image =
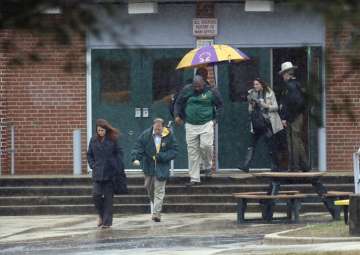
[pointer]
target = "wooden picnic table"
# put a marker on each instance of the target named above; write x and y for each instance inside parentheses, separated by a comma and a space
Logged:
(306, 177)
(276, 179)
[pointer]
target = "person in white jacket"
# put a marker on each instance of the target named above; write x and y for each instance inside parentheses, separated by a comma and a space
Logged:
(262, 98)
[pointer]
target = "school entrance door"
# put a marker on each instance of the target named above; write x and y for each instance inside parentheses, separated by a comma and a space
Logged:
(133, 86)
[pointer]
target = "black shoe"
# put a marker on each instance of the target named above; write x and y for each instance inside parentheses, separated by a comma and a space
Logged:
(305, 168)
(190, 184)
(244, 169)
(156, 218)
(248, 158)
(206, 172)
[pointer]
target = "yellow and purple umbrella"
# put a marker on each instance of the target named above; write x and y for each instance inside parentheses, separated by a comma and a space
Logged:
(211, 54)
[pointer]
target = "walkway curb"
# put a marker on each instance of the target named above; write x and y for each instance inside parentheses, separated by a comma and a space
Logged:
(280, 238)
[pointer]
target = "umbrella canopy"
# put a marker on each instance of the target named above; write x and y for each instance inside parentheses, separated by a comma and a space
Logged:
(211, 54)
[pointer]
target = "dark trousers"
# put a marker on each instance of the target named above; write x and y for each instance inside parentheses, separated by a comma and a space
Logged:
(103, 200)
(268, 140)
(271, 145)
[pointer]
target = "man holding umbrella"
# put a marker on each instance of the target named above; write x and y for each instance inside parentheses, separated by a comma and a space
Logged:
(198, 105)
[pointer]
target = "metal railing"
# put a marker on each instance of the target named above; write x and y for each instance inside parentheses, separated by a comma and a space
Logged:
(11, 151)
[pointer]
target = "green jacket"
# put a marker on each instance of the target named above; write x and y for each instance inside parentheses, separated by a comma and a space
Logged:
(153, 163)
(198, 108)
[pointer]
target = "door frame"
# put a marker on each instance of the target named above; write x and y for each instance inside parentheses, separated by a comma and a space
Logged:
(322, 130)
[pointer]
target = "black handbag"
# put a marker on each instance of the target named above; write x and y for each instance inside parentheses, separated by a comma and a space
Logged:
(120, 183)
(258, 121)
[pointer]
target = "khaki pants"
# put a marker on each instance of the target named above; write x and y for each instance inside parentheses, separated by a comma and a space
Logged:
(156, 192)
(296, 146)
(199, 139)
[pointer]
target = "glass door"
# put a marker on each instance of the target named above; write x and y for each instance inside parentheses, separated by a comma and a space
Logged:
(131, 87)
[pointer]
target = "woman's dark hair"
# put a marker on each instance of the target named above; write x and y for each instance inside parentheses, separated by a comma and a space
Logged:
(111, 132)
(265, 86)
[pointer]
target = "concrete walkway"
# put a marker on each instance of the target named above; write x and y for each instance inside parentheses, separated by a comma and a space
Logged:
(137, 234)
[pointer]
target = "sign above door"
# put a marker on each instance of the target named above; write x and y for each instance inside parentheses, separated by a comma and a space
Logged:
(205, 27)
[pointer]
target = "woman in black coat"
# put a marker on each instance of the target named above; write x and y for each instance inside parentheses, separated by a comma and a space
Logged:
(104, 158)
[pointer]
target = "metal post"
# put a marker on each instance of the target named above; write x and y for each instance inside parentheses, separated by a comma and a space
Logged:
(216, 128)
(172, 164)
(356, 172)
(77, 152)
(12, 150)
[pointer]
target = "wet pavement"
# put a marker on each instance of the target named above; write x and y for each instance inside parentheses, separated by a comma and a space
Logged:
(137, 234)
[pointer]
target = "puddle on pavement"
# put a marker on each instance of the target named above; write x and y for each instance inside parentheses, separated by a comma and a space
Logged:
(162, 243)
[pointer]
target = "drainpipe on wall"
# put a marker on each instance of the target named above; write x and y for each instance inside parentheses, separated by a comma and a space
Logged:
(77, 152)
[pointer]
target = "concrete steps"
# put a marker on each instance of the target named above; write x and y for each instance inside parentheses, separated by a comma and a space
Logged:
(170, 189)
(35, 195)
(144, 208)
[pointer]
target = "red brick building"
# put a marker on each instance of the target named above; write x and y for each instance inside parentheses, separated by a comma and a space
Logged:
(45, 102)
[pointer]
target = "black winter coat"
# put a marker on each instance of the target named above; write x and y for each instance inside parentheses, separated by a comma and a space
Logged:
(292, 101)
(104, 158)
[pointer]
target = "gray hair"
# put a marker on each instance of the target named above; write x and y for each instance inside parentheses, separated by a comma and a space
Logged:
(159, 120)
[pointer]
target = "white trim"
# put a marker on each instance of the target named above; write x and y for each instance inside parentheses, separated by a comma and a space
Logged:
(88, 96)
(271, 68)
(140, 170)
(191, 46)
(273, 45)
(322, 131)
(142, 46)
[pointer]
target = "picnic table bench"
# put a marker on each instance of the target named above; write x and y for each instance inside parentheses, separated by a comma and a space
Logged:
(276, 179)
(344, 204)
(292, 198)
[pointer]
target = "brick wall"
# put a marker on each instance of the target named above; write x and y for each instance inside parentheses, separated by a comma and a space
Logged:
(342, 92)
(45, 101)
